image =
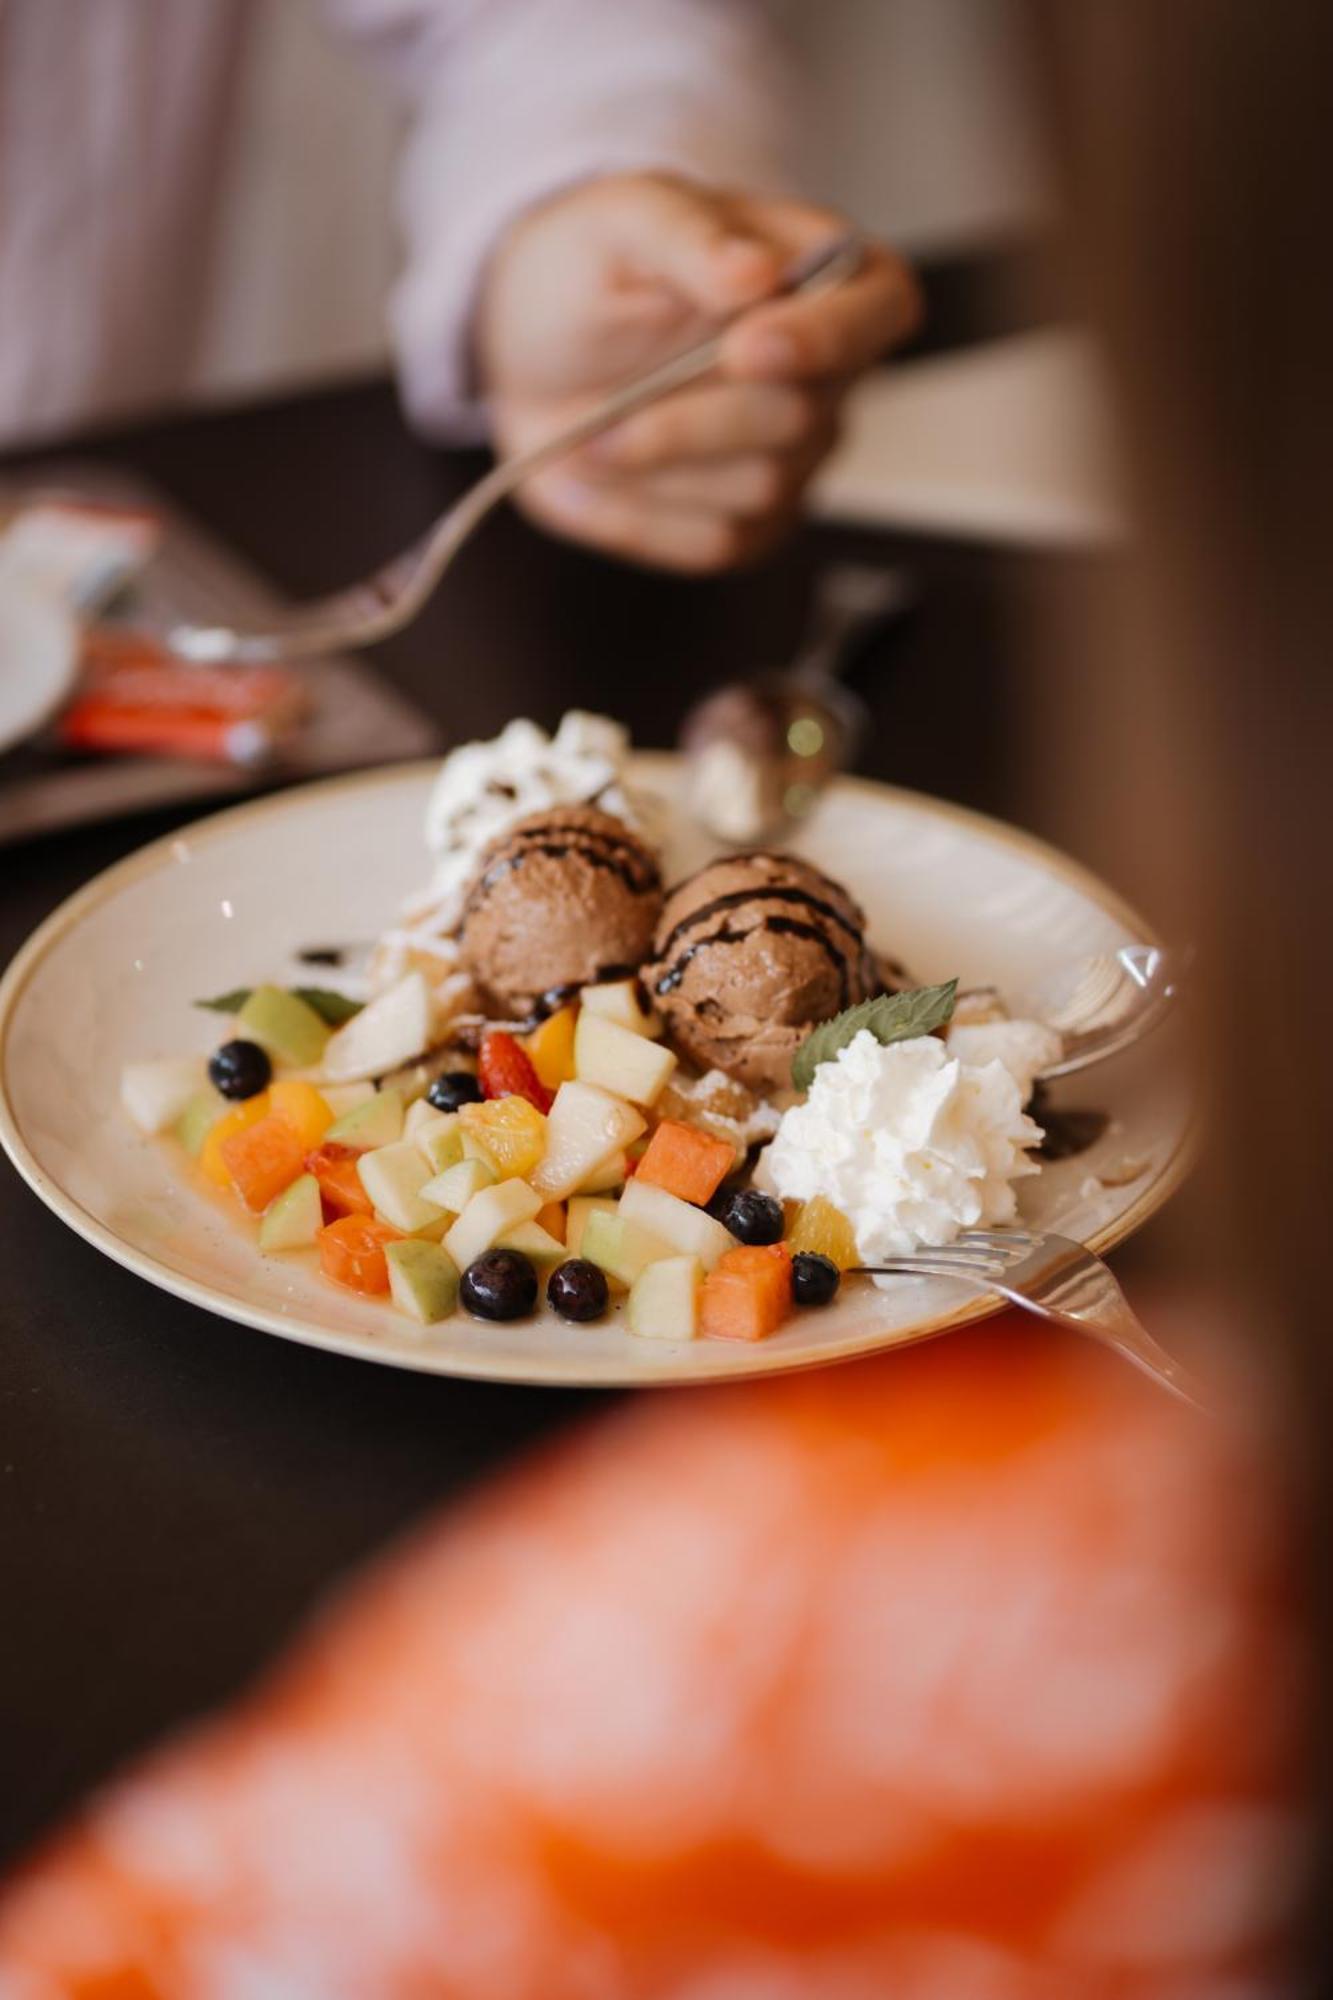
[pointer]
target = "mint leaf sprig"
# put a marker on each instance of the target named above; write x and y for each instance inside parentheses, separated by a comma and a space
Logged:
(893, 1017)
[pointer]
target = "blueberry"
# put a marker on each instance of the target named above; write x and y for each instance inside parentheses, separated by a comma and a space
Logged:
(240, 1069)
(753, 1217)
(455, 1087)
(500, 1284)
(814, 1279)
(577, 1290)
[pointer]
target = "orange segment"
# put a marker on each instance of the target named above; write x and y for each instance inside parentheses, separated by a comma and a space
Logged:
(303, 1108)
(824, 1229)
(351, 1252)
(263, 1160)
(551, 1048)
(686, 1162)
(239, 1119)
(512, 1131)
(747, 1295)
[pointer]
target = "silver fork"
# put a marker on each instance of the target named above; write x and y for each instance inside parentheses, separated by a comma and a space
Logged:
(386, 601)
(1056, 1278)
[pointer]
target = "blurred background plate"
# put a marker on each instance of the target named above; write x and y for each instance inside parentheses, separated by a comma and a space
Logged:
(38, 659)
(112, 974)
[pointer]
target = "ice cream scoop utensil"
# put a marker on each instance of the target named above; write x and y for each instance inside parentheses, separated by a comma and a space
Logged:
(388, 600)
(1058, 1280)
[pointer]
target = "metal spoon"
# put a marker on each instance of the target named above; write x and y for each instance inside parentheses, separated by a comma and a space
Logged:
(759, 752)
(1102, 1004)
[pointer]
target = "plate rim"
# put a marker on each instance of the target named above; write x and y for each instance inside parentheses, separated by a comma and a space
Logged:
(653, 1372)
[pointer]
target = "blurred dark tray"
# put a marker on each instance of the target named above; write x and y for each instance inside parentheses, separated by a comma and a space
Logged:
(356, 719)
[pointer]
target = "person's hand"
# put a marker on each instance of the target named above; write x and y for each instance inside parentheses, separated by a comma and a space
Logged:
(606, 280)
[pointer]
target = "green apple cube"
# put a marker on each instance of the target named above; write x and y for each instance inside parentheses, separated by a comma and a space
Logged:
(198, 1118)
(692, 1230)
(294, 1219)
(287, 1027)
(664, 1300)
(422, 1118)
(388, 1032)
(585, 1127)
(454, 1188)
(393, 1176)
(616, 1059)
(472, 1148)
(613, 1173)
(619, 1001)
(157, 1093)
(536, 1244)
(377, 1121)
(344, 1097)
(443, 1144)
(489, 1216)
(621, 1248)
(423, 1279)
(581, 1206)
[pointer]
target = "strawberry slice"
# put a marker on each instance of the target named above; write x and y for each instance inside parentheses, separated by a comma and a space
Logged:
(506, 1070)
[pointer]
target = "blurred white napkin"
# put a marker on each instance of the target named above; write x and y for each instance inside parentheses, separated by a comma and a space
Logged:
(1012, 441)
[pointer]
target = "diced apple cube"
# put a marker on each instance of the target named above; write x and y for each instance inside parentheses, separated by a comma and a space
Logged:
(585, 1128)
(387, 1033)
(621, 1248)
(536, 1244)
(613, 1173)
(422, 1117)
(198, 1118)
(454, 1188)
(489, 1216)
(692, 1230)
(344, 1097)
(619, 1061)
(376, 1121)
(157, 1093)
(664, 1300)
(619, 1001)
(581, 1206)
(294, 1219)
(288, 1027)
(443, 1144)
(393, 1176)
(423, 1279)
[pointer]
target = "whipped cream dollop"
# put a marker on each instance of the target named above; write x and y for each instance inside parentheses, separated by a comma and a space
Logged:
(1026, 1048)
(911, 1142)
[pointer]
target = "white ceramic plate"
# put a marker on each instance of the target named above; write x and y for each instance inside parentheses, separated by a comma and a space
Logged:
(38, 659)
(112, 973)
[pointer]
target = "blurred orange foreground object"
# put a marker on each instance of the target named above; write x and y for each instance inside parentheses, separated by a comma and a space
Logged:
(134, 696)
(965, 1674)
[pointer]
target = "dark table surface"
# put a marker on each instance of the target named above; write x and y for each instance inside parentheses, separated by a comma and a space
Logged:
(177, 1490)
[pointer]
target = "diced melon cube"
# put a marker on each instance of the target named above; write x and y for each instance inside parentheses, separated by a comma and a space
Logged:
(394, 1176)
(454, 1188)
(198, 1118)
(488, 1216)
(344, 1097)
(294, 1219)
(692, 1230)
(664, 1300)
(620, 1247)
(443, 1144)
(618, 1060)
(376, 1121)
(288, 1027)
(423, 1279)
(619, 1001)
(581, 1206)
(157, 1093)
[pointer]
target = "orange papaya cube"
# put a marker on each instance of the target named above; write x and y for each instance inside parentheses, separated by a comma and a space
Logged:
(340, 1189)
(239, 1119)
(351, 1252)
(686, 1161)
(303, 1107)
(747, 1294)
(263, 1160)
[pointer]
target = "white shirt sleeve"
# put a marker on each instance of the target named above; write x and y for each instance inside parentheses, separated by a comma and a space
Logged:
(512, 99)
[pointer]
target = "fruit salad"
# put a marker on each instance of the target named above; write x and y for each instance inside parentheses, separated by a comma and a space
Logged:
(695, 1111)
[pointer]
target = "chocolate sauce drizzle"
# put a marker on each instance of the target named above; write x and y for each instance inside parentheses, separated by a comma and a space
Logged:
(764, 893)
(600, 849)
(780, 926)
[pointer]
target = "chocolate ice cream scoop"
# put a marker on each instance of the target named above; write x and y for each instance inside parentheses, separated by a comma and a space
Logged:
(567, 897)
(750, 954)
